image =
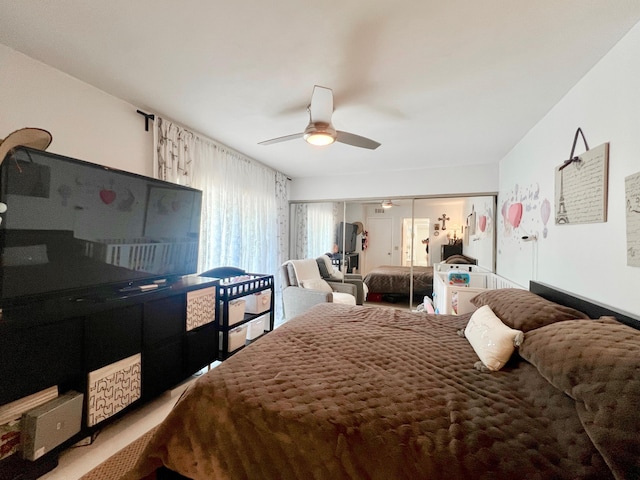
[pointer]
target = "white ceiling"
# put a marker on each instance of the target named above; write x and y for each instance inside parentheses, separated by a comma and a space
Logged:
(438, 83)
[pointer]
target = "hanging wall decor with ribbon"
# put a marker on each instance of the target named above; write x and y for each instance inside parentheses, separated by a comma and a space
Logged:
(582, 185)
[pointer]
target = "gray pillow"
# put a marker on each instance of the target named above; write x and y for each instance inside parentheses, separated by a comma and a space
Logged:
(523, 310)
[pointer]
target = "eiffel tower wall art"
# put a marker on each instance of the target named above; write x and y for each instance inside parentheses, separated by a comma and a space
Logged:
(582, 187)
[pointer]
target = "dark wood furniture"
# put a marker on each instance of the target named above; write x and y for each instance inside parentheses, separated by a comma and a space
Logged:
(252, 284)
(61, 341)
(449, 250)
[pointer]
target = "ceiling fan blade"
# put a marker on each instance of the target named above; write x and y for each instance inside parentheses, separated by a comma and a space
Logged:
(356, 140)
(281, 139)
(321, 107)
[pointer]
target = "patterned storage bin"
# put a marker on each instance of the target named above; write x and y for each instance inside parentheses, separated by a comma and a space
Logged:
(112, 388)
(258, 302)
(236, 311)
(201, 307)
(236, 338)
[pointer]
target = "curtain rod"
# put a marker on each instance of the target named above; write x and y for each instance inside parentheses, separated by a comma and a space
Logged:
(152, 117)
(147, 117)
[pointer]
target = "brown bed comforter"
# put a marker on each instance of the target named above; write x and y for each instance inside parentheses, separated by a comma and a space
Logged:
(347, 392)
(396, 280)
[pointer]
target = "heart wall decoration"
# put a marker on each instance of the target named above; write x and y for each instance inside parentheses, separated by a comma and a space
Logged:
(107, 196)
(482, 223)
(515, 214)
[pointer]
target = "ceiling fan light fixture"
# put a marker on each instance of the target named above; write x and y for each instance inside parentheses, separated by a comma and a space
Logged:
(320, 131)
(320, 134)
(387, 204)
(319, 139)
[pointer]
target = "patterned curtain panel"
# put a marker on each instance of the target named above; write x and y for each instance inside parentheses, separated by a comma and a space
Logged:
(244, 202)
(172, 158)
(282, 206)
(299, 231)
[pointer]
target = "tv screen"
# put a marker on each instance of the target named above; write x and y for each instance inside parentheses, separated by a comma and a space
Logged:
(351, 236)
(72, 226)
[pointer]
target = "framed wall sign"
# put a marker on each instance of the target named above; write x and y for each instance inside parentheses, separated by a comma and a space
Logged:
(582, 187)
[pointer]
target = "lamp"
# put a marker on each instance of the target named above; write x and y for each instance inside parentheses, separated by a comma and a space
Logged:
(320, 134)
(387, 204)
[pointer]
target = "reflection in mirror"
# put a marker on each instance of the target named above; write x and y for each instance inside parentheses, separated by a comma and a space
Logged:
(313, 229)
(415, 246)
(396, 247)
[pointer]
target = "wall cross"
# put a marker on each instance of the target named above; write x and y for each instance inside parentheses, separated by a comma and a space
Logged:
(444, 218)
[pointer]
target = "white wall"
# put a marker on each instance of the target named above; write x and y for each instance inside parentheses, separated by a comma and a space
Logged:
(481, 179)
(85, 122)
(587, 259)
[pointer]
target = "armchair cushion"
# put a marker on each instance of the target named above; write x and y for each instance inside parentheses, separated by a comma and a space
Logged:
(317, 284)
(331, 271)
(344, 298)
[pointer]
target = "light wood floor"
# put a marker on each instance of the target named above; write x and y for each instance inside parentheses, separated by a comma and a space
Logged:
(76, 461)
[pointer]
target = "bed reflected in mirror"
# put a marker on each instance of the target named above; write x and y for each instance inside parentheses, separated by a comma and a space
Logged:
(395, 243)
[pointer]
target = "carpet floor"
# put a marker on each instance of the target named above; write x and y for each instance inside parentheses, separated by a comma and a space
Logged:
(121, 462)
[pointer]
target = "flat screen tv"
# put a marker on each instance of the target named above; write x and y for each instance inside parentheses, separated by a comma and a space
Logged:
(351, 236)
(72, 227)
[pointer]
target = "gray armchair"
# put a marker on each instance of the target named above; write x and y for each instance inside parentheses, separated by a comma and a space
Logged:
(324, 264)
(303, 287)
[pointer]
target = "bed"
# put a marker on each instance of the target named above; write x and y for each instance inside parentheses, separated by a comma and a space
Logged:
(344, 392)
(396, 280)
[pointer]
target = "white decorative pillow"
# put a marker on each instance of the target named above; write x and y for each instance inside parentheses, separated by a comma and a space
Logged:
(317, 284)
(491, 339)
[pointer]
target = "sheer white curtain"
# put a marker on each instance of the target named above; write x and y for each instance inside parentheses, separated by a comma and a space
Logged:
(242, 211)
(321, 227)
(314, 231)
(239, 223)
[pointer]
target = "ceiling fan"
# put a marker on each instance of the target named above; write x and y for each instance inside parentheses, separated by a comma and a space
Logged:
(320, 131)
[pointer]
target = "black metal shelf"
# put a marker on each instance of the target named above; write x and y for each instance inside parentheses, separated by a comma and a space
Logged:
(236, 288)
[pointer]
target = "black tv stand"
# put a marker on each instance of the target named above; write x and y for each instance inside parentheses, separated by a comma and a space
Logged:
(164, 335)
(109, 295)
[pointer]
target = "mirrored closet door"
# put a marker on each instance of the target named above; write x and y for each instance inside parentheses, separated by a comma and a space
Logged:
(394, 243)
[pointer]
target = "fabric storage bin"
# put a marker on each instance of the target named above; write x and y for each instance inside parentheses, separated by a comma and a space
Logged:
(258, 302)
(201, 307)
(236, 311)
(256, 327)
(236, 338)
(113, 388)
